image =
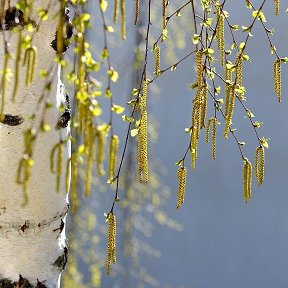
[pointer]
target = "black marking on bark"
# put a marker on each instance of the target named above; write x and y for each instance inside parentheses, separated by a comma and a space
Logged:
(64, 120)
(11, 120)
(60, 229)
(40, 284)
(24, 226)
(2, 210)
(67, 34)
(61, 261)
(14, 18)
(23, 283)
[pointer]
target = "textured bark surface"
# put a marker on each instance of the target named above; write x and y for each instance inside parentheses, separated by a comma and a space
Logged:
(32, 244)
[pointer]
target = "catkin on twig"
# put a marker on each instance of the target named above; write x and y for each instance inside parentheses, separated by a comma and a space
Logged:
(230, 110)
(164, 20)
(136, 12)
(115, 13)
(239, 69)
(123, 19)
(113, 150)
(220, 33)
(181, 174)
(277, 78)
(111, 242)
(213, 137)
(247, 179)
(157, 60)
(101, 137)
(228, 79)
(276, 2)
(143, 150)
(194, 146)
(199, 67)
(259, 164)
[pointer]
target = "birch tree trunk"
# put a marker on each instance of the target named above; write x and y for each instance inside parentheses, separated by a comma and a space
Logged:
(32, 247)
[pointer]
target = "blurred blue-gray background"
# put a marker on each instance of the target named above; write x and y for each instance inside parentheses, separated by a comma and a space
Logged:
(216, 240)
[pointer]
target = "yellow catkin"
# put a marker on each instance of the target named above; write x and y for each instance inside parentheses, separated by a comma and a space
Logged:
(59, 148)
(199, 67)
(17, 62)
(143, 102)
(123, 19)
(208, 130)
(157, 60)
(239, 69)
(115, 13)
(30, 61)
(247, 179)
(101, 137)
(228, 79)
(136, 12)
(181, 174)
(114, 144)
(143, 150)
(194, 146)
(204, 100)
(230, 110)
(277, 78)
(164, 20)
(220, 33)
(259, 164)
(276, 7)
(222, 39)
(111, 242)
(213, 137)
(89, 167)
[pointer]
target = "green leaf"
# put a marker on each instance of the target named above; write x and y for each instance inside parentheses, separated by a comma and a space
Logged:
(134, 132)
(111, 180)
(259, 14)
(113, 75)
(195, 39)
(117, 109)
(103, 5)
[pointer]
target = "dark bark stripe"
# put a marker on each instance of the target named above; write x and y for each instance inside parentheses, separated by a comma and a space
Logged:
(11, 120)
(13, 18)
(64, 120)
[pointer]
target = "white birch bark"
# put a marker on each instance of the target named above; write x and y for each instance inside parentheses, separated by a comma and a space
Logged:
(31, 250)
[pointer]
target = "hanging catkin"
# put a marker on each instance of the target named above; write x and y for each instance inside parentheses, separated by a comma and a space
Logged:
(123, 19)
(101, 137)
(220, 33)
(157, 60)
(164, 20)
(136, 12)
(213, 137)
(259, 164)
(111, 242)
(230, 110)
(228, 79)
(247, 179)
(115, 13)
(276, 2)
(142, 150)
(181, 174)
(239, 69)
(113, 150)
(277, 78)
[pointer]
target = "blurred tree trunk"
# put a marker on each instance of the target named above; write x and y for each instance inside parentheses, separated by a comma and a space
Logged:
(32, 246)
